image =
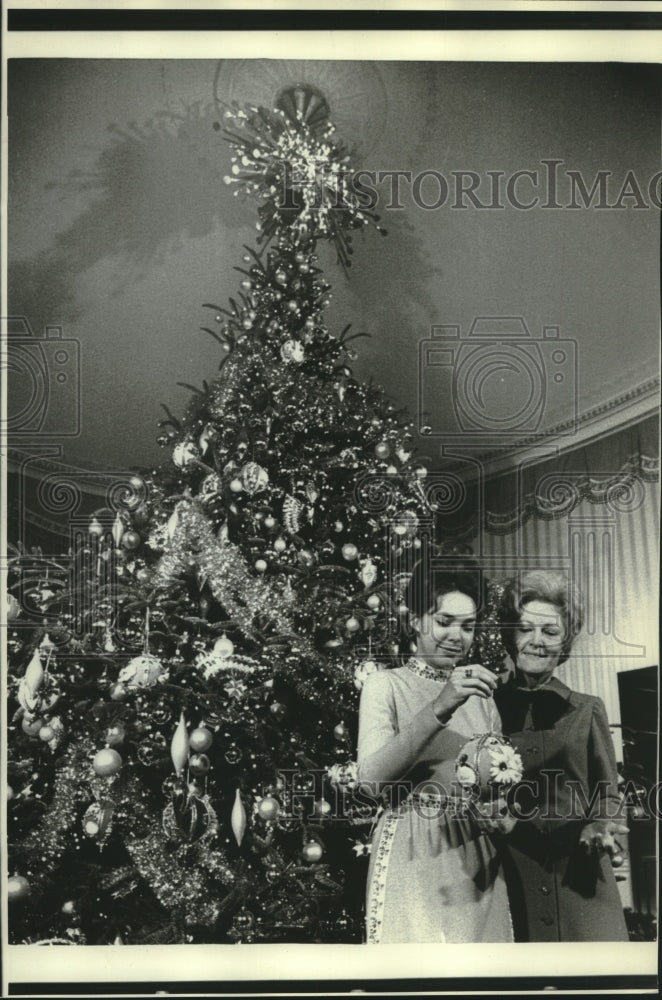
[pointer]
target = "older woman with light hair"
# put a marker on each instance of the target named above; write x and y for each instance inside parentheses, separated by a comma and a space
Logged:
(556, 859)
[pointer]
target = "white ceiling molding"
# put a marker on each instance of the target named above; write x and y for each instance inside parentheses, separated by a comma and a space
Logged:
(615, 414)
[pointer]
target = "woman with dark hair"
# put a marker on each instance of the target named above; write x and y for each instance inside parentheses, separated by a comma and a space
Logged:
(434, 875)
(560, 880)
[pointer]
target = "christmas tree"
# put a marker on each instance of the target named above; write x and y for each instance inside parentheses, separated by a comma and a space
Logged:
(184, 689)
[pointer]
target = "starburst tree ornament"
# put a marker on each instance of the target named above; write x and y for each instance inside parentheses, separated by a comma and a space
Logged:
(290, 160)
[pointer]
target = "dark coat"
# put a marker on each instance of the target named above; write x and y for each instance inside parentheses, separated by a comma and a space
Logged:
(559, 892)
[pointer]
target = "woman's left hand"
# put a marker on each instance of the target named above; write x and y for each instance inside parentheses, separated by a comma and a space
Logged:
(599, 835)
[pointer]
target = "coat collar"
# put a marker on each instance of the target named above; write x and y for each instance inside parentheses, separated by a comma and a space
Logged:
(553, 684)
(533, 708)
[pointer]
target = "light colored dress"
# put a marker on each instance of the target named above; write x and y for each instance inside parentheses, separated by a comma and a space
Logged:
(433, 875)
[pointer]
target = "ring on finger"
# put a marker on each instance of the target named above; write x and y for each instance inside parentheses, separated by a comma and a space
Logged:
(468, 672)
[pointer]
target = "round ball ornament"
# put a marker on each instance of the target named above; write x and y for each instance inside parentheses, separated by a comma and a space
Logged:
(312, 852)
(488, 764)
(131, 540)
(18, 888)
(199, 763)
(280, 545)
(261, 565)
(322, 808)
(200, 740)
(373, 602)
(107, 762)
(352, 624)
(349, 551)
(46, 734)
(31, 726)
(223, 647)
(254, 477)
(268, 808)
(278, 710)
(383, 450)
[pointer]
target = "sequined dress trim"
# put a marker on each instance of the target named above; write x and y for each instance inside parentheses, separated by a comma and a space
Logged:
(425, 670)
(378, 883)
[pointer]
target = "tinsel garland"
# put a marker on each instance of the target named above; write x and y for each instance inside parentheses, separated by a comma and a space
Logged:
(183, 877)
(49, 840)
(222, 566)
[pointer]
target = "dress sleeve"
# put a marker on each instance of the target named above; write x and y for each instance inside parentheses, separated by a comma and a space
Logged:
(602, 763)
(385, 752)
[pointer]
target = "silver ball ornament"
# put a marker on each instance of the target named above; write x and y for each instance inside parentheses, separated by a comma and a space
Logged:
(268, 808)
(200, 740)
(107, 762)
(312, 852)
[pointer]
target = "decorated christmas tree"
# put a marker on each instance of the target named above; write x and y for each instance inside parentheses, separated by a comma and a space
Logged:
(184, 689)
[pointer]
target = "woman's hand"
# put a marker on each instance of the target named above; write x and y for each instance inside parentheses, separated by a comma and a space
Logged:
(599, 835)
(462, 684)
(495, 817)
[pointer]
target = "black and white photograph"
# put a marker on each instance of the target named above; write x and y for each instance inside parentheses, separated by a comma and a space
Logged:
(330, 553)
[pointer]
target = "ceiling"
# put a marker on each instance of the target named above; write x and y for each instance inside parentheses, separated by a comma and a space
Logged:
(120, 227)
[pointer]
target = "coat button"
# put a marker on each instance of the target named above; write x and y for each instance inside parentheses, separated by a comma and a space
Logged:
(544, 890)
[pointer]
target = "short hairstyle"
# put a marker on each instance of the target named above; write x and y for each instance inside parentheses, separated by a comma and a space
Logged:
(541, 585)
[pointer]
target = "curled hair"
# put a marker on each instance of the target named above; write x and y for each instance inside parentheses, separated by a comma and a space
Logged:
(549, 586)
(452, 571)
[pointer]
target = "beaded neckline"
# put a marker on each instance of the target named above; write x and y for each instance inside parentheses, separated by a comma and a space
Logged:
(425, 670)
